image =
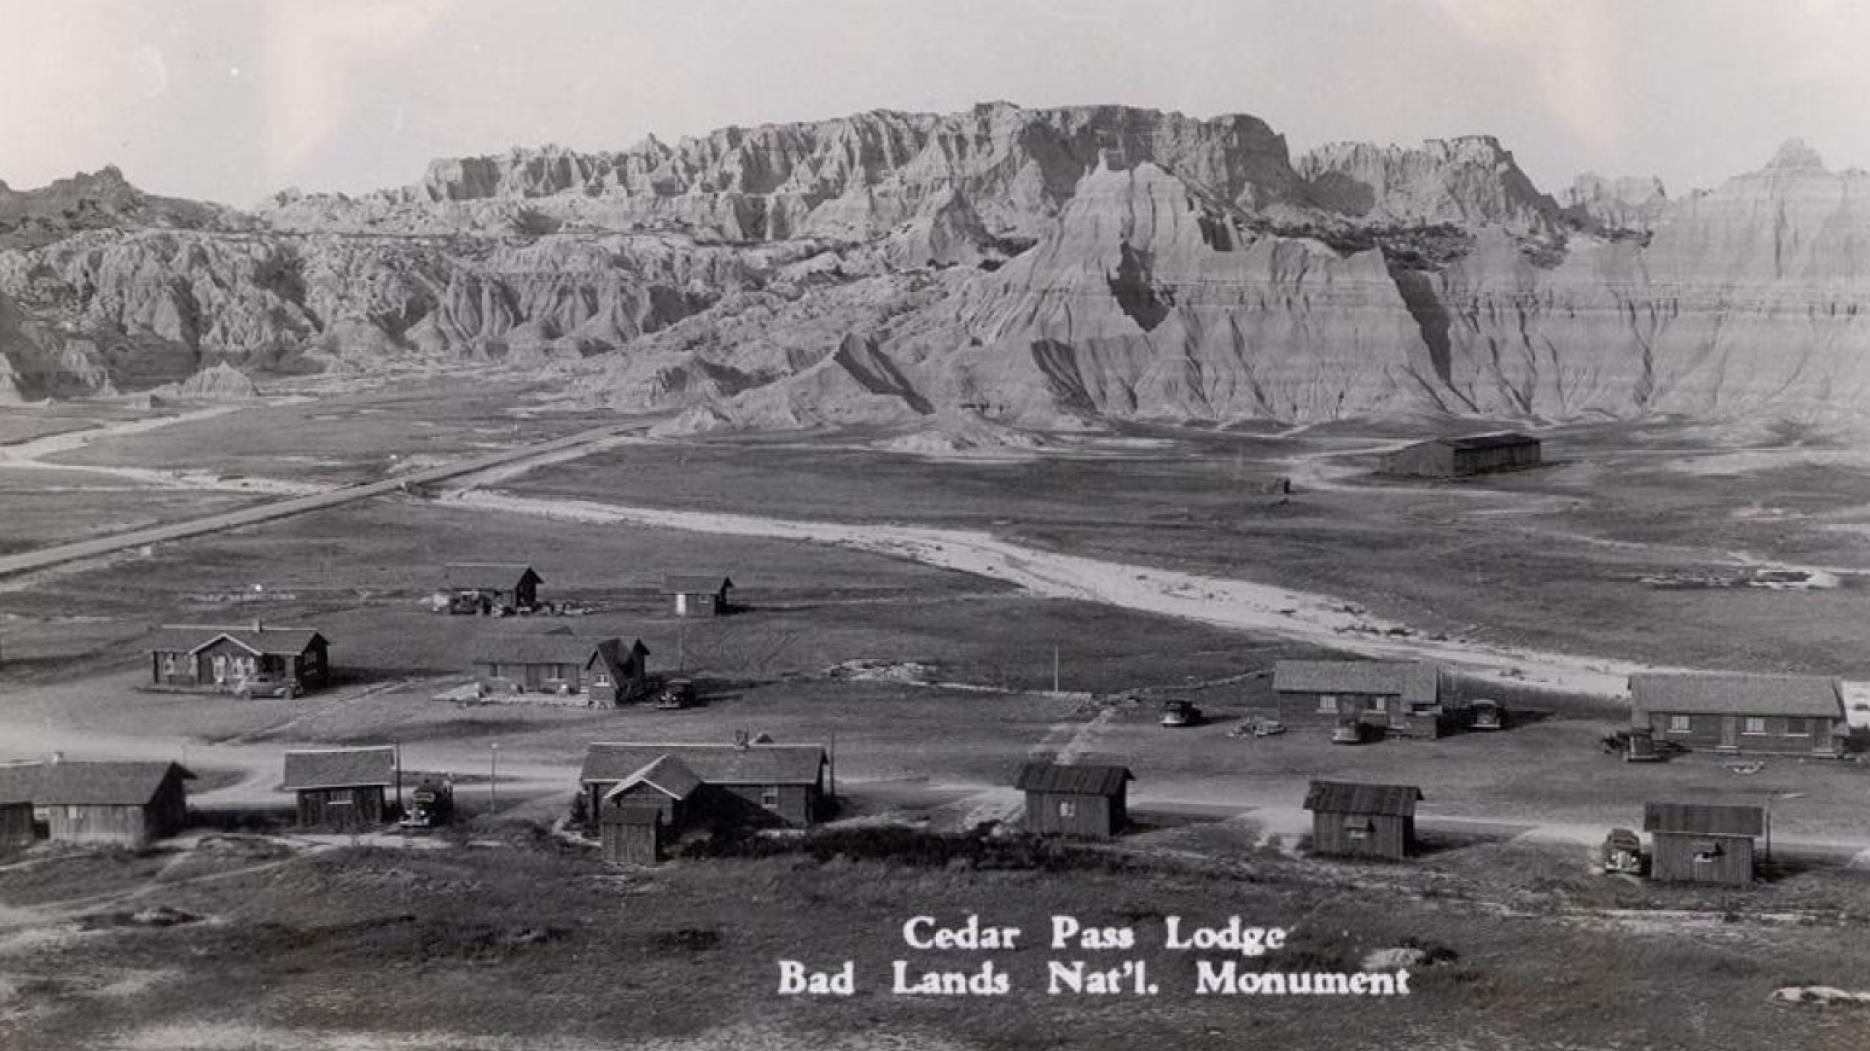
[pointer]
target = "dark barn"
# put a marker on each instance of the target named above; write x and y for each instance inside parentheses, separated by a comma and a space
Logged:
(605, 671)
(1459, 457)
(17, 781)
(257, 660)
(1087, 800)
(742, 785)
(1766, 714)
(699, 596)
(1702, 842)
(632, 835)
(490, 587)
(1389, 697)
(1358, 820)
(342, 788)
(123, 804)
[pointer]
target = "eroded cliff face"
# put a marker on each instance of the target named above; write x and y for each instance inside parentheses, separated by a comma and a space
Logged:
(1037, 268)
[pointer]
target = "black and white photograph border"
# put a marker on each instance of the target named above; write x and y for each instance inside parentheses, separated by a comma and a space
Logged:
(839, 525)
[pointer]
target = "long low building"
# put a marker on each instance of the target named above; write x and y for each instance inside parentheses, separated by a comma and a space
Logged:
(1388, 697)
(737, 784)
(1463, 456)
(606, 672)
(1767, 714)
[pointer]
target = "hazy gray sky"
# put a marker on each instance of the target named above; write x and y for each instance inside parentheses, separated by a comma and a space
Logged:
(233, 99)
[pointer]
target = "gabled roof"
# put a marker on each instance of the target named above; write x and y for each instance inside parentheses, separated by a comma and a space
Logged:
(1733, 694)
(17, 782)
(666, 774)
(632, 814)
(79, 783)
(495, 576)
(715, 764)
(340, 768)
(550, 649)
(1088, 779)
(1413, 681)
(1704, 819)
(1347, 797)
(283, 642)
(694, 584)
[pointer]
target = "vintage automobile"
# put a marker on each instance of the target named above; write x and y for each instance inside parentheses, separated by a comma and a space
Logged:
(676, 693)
(263, 685)
(1349, 731)
(1623, 852)
(1180, 713)
(431, 805)
(1487, 715)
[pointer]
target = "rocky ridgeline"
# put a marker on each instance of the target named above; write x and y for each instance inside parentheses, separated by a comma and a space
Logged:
(1033, 268)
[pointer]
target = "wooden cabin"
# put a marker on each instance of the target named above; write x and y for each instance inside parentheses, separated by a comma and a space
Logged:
(1761, 714)
(699, 596)
(605, 672)
(127, 804)
(741, 785)
(489, 587)
(1464, 456)
(1360, 820)
(1381, 697)
(255, 661)
(17, 783)
(342, 788)
(632, 835)
(1702, 842)
(1086, 800)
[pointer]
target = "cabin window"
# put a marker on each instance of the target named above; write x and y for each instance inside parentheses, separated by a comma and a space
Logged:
(168, 664)
(72, 812)
(1755, 724)
(1678, 724)
(1358, 827)
(1708, 853)
(1327, 703)
(1379, 704)
(1067, 808)
(1798, 728)
(339, 797)
(769, 797)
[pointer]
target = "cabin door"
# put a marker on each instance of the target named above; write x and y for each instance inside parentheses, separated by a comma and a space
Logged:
(1730, 732)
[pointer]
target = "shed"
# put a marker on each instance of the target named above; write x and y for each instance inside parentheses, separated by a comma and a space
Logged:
(632, 835)
(17, 781)
(123, 803)
(699, 595)
(665, 785)
(342, 787)
(1394, 697)
(604, 671)
(741, 784)
(1362, 820)
(1766, 714)
(1088, 800)
(256, 660)
(1462, 456)
(491, 587)
(1702, 842)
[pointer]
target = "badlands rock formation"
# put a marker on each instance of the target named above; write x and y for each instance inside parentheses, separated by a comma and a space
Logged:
(1017, 268)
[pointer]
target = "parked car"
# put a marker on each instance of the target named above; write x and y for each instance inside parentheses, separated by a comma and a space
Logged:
(1180, 713)
(1268, 727)
(431, 805)
(1487, 715)
(676, 693)
(268, 686)
(1350, 731)
(1623, 852)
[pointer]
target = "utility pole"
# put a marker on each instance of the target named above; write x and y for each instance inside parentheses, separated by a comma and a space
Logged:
(399, 777)
(493, 776)
(1055, 688)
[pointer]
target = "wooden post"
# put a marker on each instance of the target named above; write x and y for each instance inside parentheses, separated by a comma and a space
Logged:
(1055, 669)
(493, 776)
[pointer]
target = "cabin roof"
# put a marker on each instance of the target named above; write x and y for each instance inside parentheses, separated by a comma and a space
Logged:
(497, 576)
(694, 584)
(550, 649)
(1499, 440)
(1704, 819)
(1410, 680)
(17, 781)
(82, 783)
(340, 768)
(715, 764)
(264, 640)
(665, 774)
(1347, 797)
(1087, 779)
(1735, 694)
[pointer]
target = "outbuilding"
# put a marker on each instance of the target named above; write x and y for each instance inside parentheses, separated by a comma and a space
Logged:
(489, 587)
(344, 788)
(16, 804)
(699, 596)
(258, 660)
(632, 835)
(116, 803)
(1072, 799)
(1463, 456)
(1362, 820)
(1702, 842)
(603, 672)
(1382, 697)
(744, 784)
(1764, 714)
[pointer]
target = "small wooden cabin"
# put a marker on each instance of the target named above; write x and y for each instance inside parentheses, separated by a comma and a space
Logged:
(1360, 820)
(699, 596)
(1460, 457)
(1762, 714)
(342, 788)
(113, 803)
(604, 671)
(1387, 697)
(17, 783)
(747, 784)
(1702, 842)
(632, 835)
(490, 587)
(256, 660)
(1087, 800)
(666, 785)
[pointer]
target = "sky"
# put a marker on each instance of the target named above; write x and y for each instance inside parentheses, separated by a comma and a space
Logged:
(231, 100)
